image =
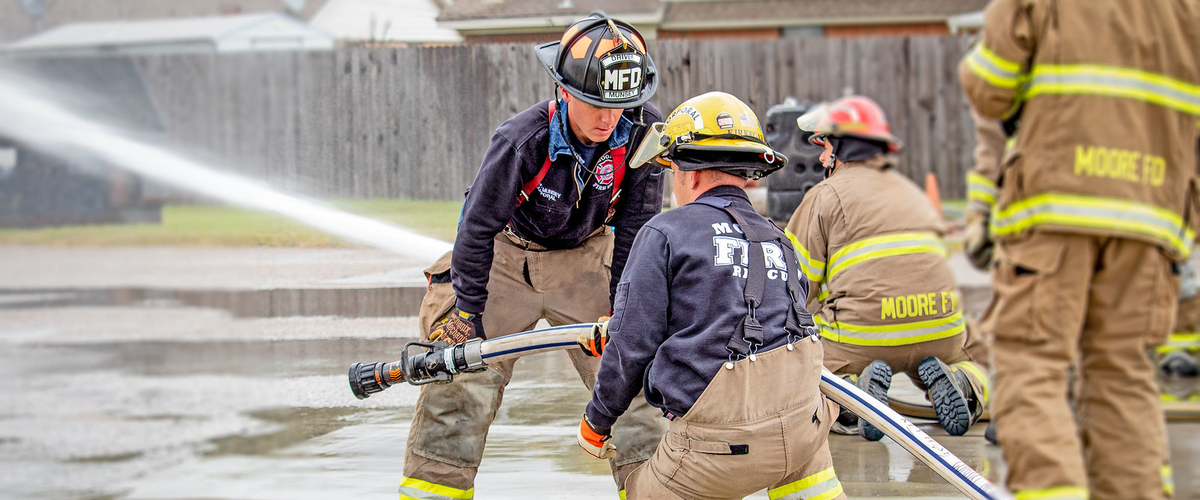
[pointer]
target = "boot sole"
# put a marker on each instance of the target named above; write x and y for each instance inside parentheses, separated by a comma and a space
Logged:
(878, 382)
(949, 404)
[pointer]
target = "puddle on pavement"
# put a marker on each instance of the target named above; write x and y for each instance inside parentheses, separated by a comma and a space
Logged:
(352, 448)
(298, 425)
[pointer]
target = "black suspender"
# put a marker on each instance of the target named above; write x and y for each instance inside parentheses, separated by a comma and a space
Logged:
(749, 335)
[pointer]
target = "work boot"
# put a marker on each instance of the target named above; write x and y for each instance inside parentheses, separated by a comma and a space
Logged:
(846, 423)
(1178, 364)
(952, 396)
(875, 380)
(990, 433)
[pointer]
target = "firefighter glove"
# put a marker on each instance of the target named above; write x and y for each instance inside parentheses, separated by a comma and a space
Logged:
(594, 344)
(459, 327)
(977, 243)
(594, 442)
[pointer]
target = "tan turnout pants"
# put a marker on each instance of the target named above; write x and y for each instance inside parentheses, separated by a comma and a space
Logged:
(450, 423)
(1103, 301)
(761, 424)
(966, 351)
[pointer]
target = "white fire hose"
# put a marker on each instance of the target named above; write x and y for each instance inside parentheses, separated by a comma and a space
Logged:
(441, 361)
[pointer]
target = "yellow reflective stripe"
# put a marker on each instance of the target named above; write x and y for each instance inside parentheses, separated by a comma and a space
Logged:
(621, 494)
(992, 68)
(892, 334)
(885, 246)
(417, 489)
(1055, 493)
(823, 485)
(976, 370)
(823, 293)
(1180, 342)
(1114, 81)
(1168, 479)
(812, 268)
(1095, 212)
(980, 189)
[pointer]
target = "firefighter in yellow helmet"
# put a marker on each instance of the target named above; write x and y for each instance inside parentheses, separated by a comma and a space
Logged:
(1090, 218)
(545, 231)
(884, 296)
(710, 324)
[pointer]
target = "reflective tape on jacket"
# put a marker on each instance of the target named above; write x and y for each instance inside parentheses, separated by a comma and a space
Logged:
(981, 191)
(416, 489)
(887, 245)
(1168, 480)
(1180, 341)
(812, 268)
(1055, 493)
(1085, 79)
(1113, 81)
(823, 485)
(892, 334)
(1094, 212)
(994, 69)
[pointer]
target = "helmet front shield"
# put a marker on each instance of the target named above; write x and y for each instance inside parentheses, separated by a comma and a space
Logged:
(653, 145)
(816, 122)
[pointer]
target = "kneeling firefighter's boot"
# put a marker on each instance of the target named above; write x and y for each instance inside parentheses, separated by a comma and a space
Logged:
(875, 380)
(953, 398)
(1178, 364)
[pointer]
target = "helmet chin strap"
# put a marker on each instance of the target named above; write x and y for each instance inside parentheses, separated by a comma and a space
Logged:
(831, 164)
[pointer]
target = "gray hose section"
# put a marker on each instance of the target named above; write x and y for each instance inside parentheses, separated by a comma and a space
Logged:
(958, 474)
(513, 346)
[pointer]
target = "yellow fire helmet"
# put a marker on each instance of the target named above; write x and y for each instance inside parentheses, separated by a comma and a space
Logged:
(713, 131)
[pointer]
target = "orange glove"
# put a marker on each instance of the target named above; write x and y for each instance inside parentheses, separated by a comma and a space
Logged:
(595, 443)
(594, 345)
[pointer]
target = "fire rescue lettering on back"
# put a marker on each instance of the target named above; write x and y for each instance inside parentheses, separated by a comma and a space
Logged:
(729, 246)
(923, 304)
(1120, 164)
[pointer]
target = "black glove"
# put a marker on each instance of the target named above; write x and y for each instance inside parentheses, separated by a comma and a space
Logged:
(459, 327)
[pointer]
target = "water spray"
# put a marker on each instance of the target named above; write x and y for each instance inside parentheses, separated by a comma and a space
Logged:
(35, 120)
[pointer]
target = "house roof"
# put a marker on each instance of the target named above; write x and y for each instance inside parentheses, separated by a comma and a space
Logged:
(175, 30)
(412, 21)
(16, 23)
(717, 14)
(485, 14)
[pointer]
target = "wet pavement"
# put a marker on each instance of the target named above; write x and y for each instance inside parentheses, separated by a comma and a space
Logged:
(149, 399)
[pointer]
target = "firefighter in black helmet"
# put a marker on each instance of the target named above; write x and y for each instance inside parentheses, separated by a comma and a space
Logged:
(534, 242)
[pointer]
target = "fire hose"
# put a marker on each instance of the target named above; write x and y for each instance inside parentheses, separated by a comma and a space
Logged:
(439, 362)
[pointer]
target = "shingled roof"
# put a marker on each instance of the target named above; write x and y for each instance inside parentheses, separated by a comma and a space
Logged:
(716, 14)
(15, 23)
(461, 11)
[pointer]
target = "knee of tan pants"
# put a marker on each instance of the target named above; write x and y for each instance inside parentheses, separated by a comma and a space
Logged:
(450, 421)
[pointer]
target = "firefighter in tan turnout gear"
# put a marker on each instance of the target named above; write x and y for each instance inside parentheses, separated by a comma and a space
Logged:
(1089, 219)
(534, 242)
(884, 295)
(709, 320)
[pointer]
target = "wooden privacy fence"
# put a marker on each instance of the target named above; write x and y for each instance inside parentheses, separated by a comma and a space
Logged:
(415, 122)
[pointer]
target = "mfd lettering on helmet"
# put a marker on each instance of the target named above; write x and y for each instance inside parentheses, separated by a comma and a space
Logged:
(734, 251)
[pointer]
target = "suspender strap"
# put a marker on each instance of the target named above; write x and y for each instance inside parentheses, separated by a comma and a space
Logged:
(618, 158)
(528, 188)
(749, 334)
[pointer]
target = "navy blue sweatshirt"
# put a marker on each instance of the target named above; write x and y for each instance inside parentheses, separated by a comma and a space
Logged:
(571, 202)
(679, 303)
